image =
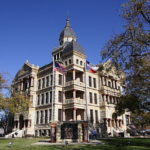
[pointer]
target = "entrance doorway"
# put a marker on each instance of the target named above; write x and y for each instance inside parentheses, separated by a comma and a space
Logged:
(21, 121)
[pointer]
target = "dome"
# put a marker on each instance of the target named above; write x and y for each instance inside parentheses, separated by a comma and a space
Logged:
(67, 33)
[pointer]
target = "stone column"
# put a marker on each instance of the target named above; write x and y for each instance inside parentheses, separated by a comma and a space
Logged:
(80, 135)
(43, 116)
(85, 132)
(39, 117)
(103, 81)
(32, 81)
(74, 94)
(53, 132)
(64, 117)
(48, 116)
(116, 84)
(14, 128)
(18, 126)
(28, 83)
(58, 133)
(74, 114)
(74, 75)
(21, 85)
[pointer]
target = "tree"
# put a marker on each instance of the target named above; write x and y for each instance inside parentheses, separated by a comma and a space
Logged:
(130, 51)
(10, 104)
(141, 120)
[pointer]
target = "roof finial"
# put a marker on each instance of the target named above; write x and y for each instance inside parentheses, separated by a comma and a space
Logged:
(67, 22)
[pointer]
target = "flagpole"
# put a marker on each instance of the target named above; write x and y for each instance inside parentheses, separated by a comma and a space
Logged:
(85, 78)
(53, 92)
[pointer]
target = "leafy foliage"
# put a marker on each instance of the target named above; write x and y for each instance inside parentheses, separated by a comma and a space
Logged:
(130, 51)
(15, 103)
(9, 105)
(141, 120)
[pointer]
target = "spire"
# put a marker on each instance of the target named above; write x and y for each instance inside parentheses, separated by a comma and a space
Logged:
(68, 22)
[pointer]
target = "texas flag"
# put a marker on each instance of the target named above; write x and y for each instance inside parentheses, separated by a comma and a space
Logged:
(92, 68)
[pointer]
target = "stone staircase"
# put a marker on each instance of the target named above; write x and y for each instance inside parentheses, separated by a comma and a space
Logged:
(16, 133)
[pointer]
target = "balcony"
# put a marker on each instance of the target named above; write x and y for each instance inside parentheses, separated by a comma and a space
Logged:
(111, 91)
(75, 82)
(77, 102)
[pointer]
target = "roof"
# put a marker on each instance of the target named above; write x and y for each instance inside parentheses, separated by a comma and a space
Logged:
(67, 31)
(73, 46)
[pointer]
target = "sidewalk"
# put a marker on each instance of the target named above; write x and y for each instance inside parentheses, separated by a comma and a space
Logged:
(46, 142)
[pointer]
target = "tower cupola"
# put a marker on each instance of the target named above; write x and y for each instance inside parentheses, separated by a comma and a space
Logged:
(67, 34)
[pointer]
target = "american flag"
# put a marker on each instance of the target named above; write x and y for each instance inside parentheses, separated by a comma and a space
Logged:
(59, 67)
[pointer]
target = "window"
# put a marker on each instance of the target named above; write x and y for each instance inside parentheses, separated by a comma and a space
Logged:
(91, 115)
(47, 81)
(66, 63)
(45, 116)
(107, 97)
(94, 82)
(112, 83)
(90, 81)
(96, 116)
(103, 97)
(37, 117)
(95, 98)
(109, 83)
(50, 114)
(59, 114)
(69, 61)
(41, 119)
(90, 95)
(38, 100)
(60, 79)
(127, 119)
(105, 81)
(42, 98)
(115, 84)
(110, 99)
(54, 57)
(50, 97)
(51, 83)
(81, 63)
(108, 122)
(60, 96)
(47, 97)
(43, 83)
(77, 61)
(39, 84)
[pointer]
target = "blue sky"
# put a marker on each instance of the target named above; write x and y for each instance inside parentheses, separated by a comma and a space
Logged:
(29, 29)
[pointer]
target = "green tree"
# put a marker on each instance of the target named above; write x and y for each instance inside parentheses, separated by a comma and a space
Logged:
(10, 103)
(129, 51)
(141, 120)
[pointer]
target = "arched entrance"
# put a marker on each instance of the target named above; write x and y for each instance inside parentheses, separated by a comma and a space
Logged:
(21, 121)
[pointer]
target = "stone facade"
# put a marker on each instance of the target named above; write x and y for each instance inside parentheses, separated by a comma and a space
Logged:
(73, 95)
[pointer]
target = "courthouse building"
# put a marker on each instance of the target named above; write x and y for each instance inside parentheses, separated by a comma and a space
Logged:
(74, 94)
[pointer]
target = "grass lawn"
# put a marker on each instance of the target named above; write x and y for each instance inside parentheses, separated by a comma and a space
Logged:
(109, 144)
